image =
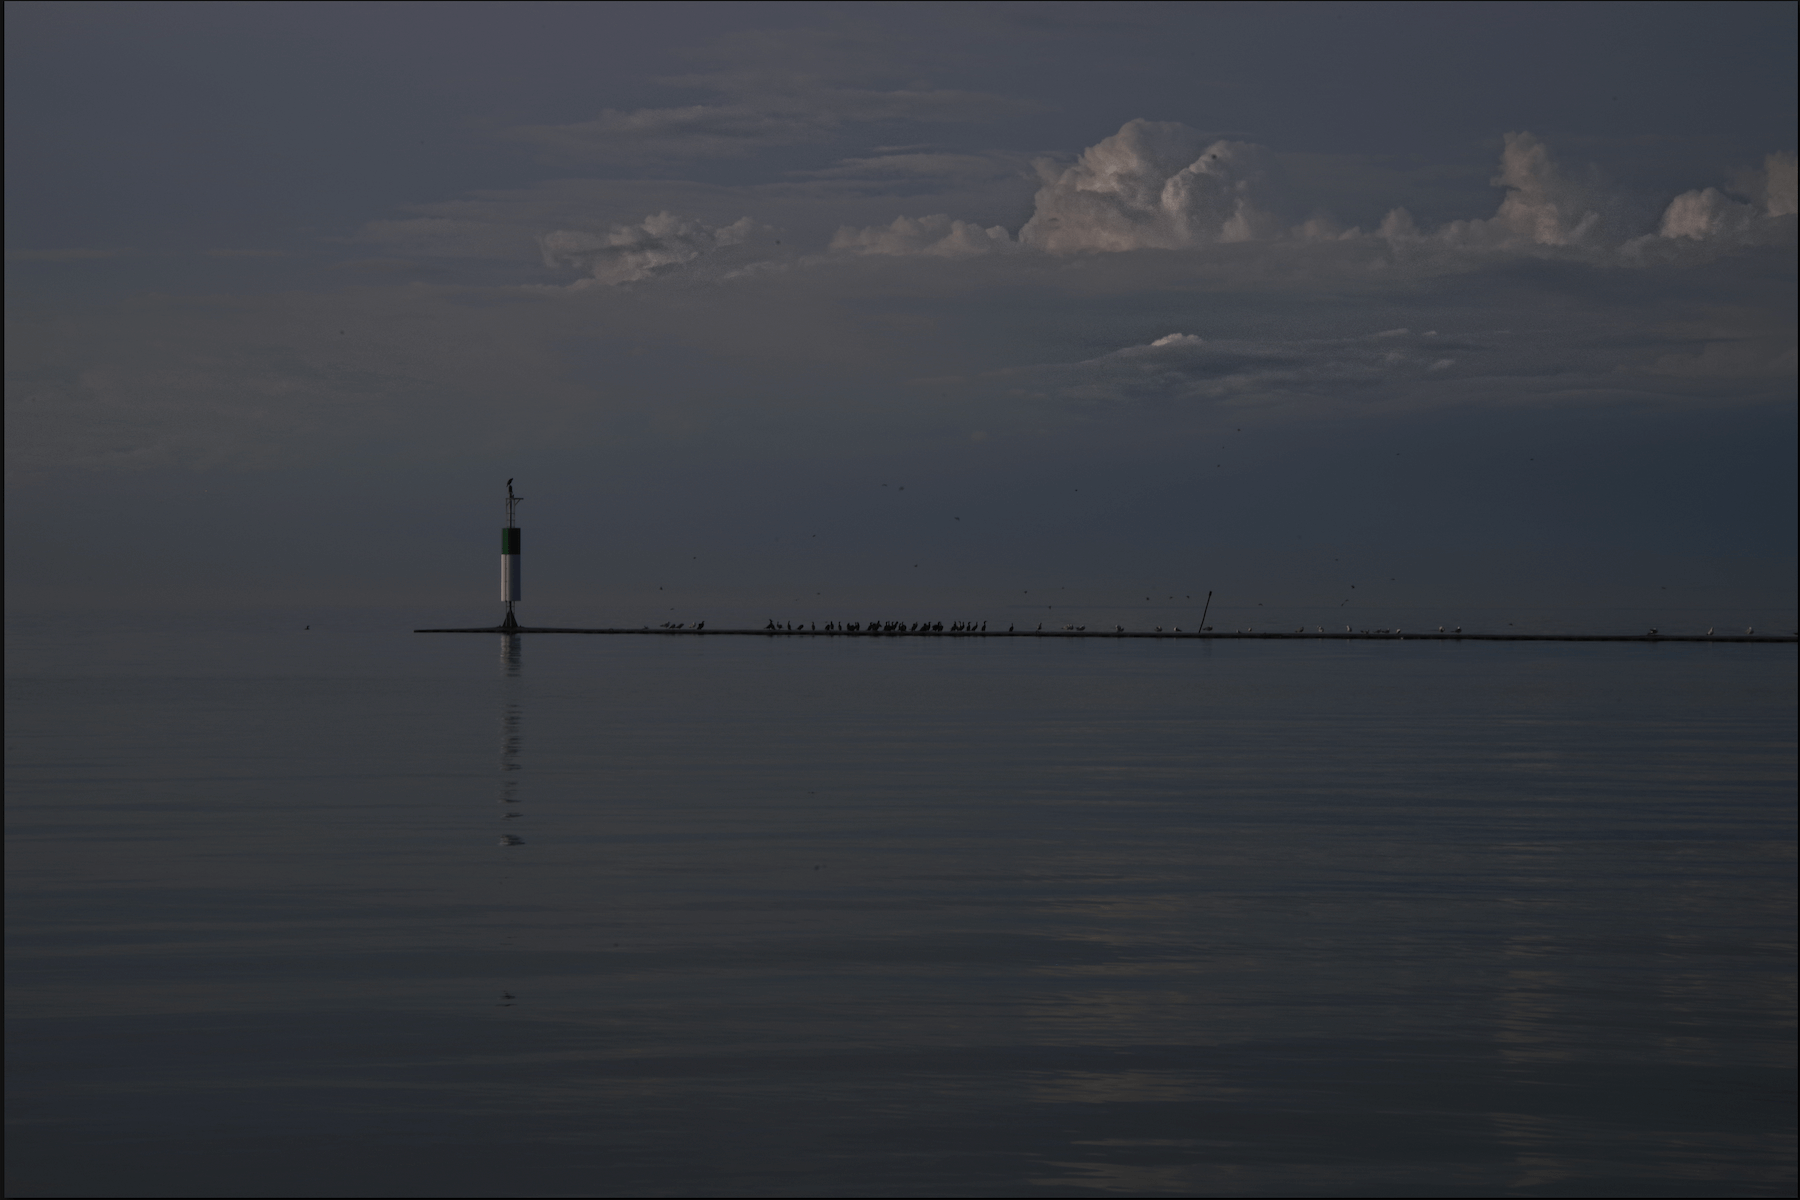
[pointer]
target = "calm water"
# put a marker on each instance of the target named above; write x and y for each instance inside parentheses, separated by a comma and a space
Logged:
(354, 912)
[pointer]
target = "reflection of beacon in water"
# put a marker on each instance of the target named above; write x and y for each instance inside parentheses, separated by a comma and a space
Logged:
(509, 558)
(510, 733)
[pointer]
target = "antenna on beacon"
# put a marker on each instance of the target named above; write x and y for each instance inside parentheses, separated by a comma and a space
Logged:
(509, 559)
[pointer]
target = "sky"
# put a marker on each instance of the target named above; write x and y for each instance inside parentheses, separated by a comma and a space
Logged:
(830, 311)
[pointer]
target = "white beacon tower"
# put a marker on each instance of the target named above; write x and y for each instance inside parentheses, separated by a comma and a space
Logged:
(509, 558)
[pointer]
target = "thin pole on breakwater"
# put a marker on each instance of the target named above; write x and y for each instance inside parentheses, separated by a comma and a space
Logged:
(1204, 611)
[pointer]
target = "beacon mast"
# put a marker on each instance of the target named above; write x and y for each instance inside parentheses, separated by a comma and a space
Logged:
(509, 558)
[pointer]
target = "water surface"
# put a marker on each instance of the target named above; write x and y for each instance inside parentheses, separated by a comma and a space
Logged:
(349, 911)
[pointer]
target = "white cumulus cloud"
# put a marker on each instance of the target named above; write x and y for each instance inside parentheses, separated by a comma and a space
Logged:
(1709, 213)
(1545, 205)
(1157, 185)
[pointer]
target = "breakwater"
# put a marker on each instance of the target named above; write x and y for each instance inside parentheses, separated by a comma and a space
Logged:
(1164, 635)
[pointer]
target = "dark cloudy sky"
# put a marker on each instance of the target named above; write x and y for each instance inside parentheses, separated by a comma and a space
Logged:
(1491, 301)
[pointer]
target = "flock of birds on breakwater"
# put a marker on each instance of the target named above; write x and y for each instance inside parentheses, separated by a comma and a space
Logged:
(775, 626)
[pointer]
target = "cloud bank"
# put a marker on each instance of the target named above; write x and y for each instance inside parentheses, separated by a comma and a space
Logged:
(1152, 186)
(1158, 185)
(1158, 227)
